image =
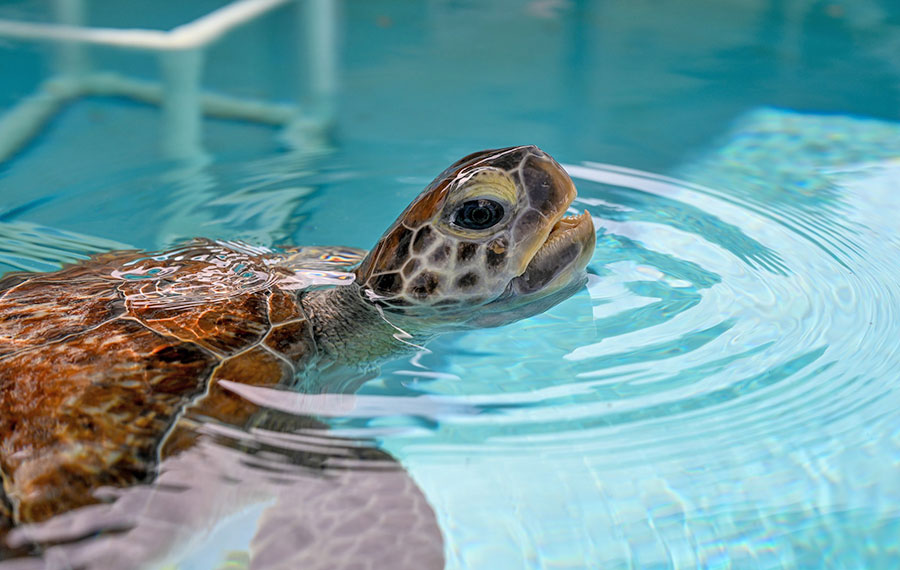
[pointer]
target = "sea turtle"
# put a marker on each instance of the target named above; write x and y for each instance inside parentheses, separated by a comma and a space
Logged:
(108, 366)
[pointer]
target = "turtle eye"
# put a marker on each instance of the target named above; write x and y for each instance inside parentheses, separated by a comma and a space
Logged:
(478, 214)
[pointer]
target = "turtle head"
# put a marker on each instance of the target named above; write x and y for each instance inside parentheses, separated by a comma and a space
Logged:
(486, 243)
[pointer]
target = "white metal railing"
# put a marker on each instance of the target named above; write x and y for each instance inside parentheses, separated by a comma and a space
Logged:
(179, 94)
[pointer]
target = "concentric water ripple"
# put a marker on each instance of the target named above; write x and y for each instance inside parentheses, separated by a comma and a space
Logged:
(708, 311)
(722, 394)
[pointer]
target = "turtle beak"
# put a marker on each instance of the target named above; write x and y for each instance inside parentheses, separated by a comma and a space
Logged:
(562, 257)
(554, 272)
(564, 245)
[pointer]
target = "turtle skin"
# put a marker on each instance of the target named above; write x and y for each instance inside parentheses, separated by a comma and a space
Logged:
(101, 378)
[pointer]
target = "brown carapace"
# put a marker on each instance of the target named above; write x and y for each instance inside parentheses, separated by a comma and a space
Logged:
(94, 378)
(107, 366)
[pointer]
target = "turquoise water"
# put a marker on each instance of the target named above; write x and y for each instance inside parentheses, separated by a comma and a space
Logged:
(723, 392)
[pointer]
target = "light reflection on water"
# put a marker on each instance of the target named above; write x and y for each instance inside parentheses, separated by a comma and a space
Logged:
(720, 395)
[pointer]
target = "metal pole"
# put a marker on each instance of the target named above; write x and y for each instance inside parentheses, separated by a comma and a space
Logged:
(321, 55)
(317, 31)
(71, 57)
(181, 106)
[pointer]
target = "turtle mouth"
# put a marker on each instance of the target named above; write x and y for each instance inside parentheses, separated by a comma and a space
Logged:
(568, 233)
(562, 257)
(577, 227)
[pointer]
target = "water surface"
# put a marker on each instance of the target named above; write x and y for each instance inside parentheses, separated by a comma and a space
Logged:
(723, 392)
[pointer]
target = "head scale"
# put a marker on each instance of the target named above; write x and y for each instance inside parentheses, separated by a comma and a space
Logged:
(486, 238)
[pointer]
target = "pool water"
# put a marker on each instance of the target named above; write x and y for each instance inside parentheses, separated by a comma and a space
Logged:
(722, 394)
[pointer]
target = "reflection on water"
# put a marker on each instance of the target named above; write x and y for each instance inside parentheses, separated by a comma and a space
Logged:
(721, 394)
(31, 247)
(222, 270)
(296, 497)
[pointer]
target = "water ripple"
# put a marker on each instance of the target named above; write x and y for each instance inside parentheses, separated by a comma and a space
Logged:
(716, 324)
(727, 377)
(205, 271)
(33, 247)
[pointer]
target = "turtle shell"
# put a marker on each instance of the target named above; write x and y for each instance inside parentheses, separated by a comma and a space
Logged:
(105, 365)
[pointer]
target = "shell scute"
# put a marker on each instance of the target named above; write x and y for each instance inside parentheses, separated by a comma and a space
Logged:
(226, 327)
(90, 411)
(257, 367)
(36, 312)
(292, 340)
(283, 307)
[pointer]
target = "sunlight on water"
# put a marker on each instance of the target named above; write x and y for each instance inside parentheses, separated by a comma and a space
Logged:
(728, 372)
(722, 393)
(719, 395)
(221, 270)
(31, 247)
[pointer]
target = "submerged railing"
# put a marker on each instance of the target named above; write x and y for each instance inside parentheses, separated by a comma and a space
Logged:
(179, 92)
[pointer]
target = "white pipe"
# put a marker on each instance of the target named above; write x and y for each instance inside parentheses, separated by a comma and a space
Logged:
(134, 39)
(71, 57)
(320, 52)
(213, 104)
(317, 27)
(182, 101)
(27, 118)
(25, 121)
(208, 28)
(181, 108)
(198, 33)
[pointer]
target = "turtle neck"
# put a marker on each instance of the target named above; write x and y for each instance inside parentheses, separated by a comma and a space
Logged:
(349, 330)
